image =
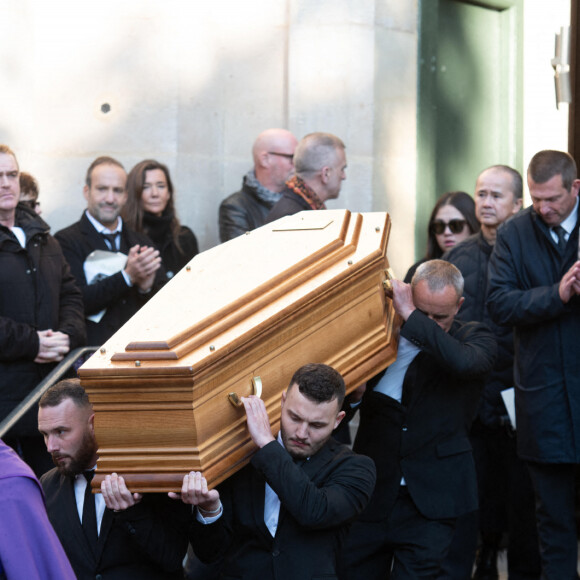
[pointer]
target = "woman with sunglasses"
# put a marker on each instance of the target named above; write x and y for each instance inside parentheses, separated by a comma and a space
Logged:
(452, 221)
(150, 209)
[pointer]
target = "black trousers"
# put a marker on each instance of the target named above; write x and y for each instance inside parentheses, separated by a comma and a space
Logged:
(405, 546)
(506, 505)
(554, 486)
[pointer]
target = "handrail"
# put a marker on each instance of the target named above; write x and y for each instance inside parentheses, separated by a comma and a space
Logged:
(51, 378)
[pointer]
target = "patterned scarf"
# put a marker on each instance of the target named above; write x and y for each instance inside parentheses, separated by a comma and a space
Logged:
(269, 198)
(298, 186)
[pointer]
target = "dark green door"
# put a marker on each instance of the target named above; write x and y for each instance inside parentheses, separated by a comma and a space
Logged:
(469, 96)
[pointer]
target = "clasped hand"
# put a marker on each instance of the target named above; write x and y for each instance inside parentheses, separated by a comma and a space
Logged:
(570, 283)
(52, 346)
(142, 264)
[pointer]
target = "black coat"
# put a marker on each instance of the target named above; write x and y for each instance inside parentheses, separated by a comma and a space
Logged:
(289, 204)
(525, 270)
(425, 437)
(318, 501)
(121, 301)
(145, 542)
(471, 257)
(241, 212)
(158, 228)
(37, 292)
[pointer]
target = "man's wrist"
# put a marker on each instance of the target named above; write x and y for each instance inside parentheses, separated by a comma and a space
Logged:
(405, 313)
(144, 290)
(263, 442)
(210, 510)
(127, 278)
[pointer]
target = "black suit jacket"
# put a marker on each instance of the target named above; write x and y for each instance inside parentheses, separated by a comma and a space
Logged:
(121, 301)
(145, 542)
(425, 437)
(318, 501)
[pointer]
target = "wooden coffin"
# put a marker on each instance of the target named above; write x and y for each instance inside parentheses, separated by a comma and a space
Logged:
(306, 288)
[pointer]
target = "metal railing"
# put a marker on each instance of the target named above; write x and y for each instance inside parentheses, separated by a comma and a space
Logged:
(53, 377)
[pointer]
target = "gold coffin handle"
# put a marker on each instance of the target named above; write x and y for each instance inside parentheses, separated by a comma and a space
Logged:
(387, 284)
(257, 387)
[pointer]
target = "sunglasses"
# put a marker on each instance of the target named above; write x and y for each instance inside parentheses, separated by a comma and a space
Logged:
(456, 226)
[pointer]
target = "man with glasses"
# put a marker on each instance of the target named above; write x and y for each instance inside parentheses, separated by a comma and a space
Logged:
(320, 169)
(246, 210)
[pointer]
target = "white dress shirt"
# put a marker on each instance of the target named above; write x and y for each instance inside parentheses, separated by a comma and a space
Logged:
(80, 485)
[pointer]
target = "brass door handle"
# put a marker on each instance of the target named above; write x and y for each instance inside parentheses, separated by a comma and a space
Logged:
(257, 387)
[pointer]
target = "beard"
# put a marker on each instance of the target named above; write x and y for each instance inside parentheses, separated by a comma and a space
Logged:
(82, 460)
(295, 452)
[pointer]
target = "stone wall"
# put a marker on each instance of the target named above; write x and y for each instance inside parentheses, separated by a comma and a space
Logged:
(192, 83)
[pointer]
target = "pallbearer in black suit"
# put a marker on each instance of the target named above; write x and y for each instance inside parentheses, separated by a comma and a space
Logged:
(414, 423)
(115, 535)
(285, 515)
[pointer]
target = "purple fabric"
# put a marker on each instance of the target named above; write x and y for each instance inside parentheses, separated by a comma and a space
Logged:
(29, 547)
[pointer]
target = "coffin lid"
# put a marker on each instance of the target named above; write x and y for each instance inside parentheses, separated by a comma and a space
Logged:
(232, 292)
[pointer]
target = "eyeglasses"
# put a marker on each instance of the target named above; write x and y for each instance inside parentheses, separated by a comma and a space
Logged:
(289, 156)
(456, 226)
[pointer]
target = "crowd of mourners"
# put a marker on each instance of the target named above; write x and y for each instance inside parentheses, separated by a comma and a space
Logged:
(467, 446)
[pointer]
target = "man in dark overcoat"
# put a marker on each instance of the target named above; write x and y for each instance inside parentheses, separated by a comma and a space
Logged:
(534, 286)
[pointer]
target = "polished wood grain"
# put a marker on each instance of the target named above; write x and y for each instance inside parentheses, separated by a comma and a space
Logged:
(307, 288)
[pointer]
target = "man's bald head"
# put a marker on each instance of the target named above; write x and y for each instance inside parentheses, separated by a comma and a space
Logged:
(273, 154)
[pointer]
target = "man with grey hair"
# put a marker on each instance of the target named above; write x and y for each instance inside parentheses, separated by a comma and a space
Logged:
(246, 210)
(414, 423)
(319, 166)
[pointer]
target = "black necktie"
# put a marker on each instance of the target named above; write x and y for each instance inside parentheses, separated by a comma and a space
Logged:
(561, 233)
(89, 522)
(111, 240)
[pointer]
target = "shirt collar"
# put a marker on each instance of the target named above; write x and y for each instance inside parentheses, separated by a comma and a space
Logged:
(570, 222)
(101, 228)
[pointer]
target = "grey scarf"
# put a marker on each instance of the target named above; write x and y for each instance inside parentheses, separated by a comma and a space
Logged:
(268, 197)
